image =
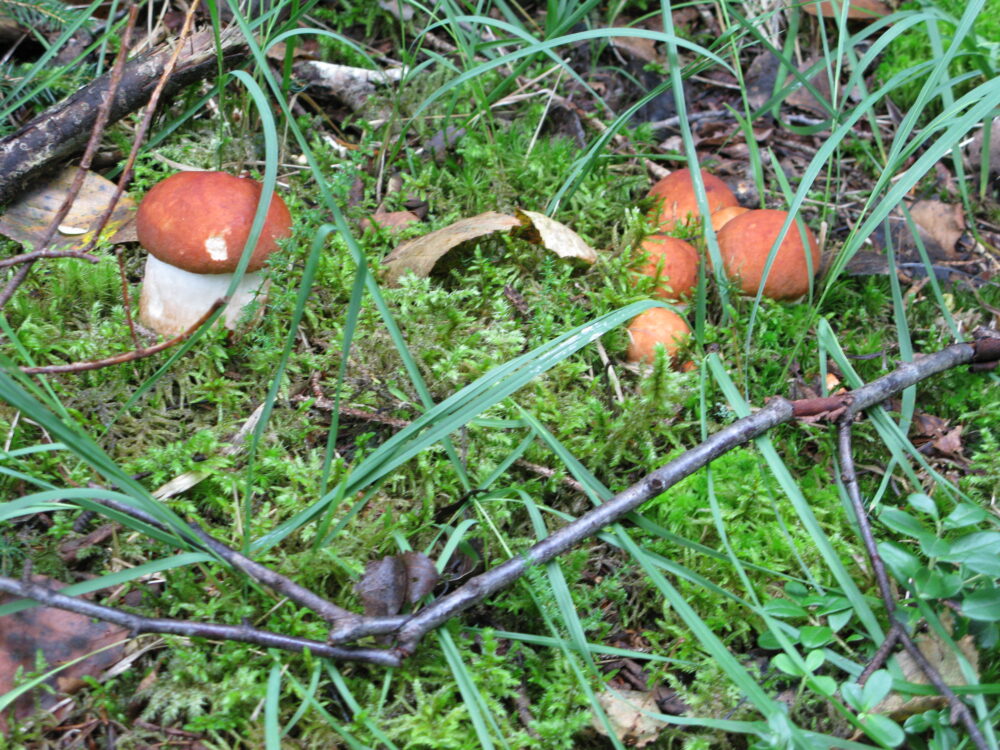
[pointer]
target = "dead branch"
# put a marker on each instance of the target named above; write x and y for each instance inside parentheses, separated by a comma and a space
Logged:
(850, 479)
(59, 132)
(39, 254)
(241, 633)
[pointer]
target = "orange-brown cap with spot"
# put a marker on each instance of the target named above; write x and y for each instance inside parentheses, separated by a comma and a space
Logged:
(200, 221)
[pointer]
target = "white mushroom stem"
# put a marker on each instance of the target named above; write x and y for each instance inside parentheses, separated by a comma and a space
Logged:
(173, 300)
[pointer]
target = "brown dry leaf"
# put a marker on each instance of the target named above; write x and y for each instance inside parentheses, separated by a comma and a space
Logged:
(943, 659)
(803, 98)
(859, 10)
(942, 222)
(394, 580)
(27, 218)
(419, 255)
(391, 221)
(556, 237)
(638, 47)
(628, 712)
(61, 637)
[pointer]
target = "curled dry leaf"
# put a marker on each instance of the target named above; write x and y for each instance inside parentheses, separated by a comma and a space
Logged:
(942, 657)
(555, 236)
(858, 10)
(61, 637)
(27, 218)
(419, 255)
(628, 713)
(942, 222)
(395, 580)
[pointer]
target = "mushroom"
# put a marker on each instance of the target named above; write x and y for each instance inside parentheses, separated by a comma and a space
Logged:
(745, 243)
(721, 218)
(194, 226)
(657, 325)
(676, 201)
(672, 262)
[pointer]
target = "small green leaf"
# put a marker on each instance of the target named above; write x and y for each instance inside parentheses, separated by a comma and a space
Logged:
(878, 686)
(784, 608)
(824, 685)
(839, 619)
(964, 514)
(935, 584)
(815, 636)
(977, 551)
(884, 730)
(982, 605)
(901, 521)
(786, 665)
(769, 641)
(814, 660)
(903, 564)
(924, 503)
(852, 694)
(933, 546)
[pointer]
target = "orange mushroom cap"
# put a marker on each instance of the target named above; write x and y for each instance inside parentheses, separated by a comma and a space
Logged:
(673, 262)
(721, 218)
(657, 325)
(676, 203)
(745, 243)
(200, 221)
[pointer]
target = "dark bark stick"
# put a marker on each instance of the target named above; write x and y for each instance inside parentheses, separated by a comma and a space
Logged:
(850, 479)
(778, 411)
(60, 132)
(241, 633)
(260, 573)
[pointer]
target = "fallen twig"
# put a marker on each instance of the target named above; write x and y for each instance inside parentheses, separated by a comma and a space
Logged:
(850, 479)
(118, 359)
(241, 633)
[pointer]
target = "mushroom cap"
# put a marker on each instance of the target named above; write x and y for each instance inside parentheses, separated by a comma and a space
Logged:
(677, 264)
(200, 221)
(657, 325)
(676, 203)
(745, 242)
(721, 218)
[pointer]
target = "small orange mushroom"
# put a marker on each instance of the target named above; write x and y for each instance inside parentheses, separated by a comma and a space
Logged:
(657, 325)
(721, 218)
(676, 203)
(745, 243)
(673, 263)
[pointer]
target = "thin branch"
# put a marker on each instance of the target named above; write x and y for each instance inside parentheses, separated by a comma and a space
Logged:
(260, 573)
(131, 356)
(39, 254)
(241, 633)
(850, 479)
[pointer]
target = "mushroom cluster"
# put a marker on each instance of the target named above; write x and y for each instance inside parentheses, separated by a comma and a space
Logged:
(194, 225)
(746, 238)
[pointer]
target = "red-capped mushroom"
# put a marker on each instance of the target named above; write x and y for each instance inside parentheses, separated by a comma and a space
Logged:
(676, 203)
(194, 226)
(745, 242)
(657, 325)
(721, 218)
(673, 263)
